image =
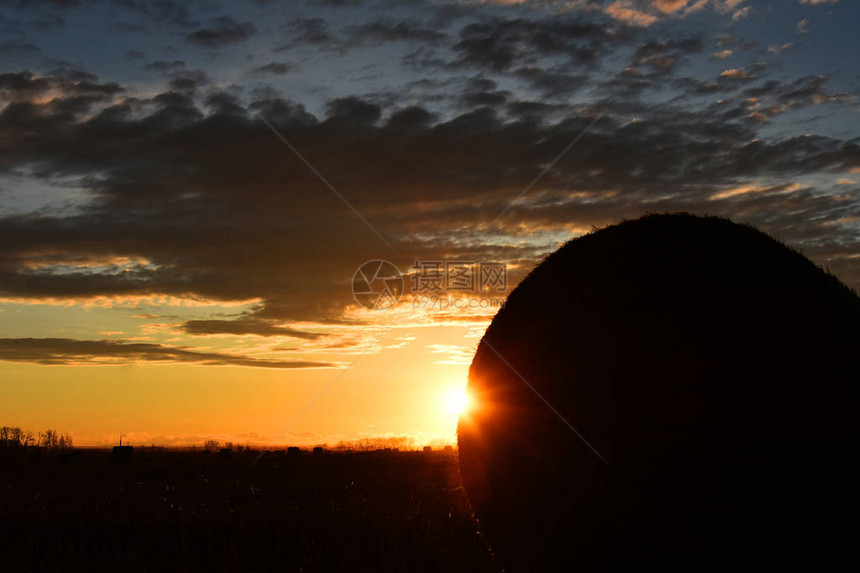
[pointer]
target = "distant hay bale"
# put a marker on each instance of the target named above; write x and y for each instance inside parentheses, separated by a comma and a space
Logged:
(673, 393)
(122, 455)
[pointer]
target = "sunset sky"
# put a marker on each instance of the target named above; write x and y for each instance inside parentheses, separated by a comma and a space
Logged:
(187, 188)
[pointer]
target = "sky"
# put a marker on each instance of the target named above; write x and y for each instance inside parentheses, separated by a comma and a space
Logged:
(188, 189)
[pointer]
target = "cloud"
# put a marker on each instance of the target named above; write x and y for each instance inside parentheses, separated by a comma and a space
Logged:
(454, 353)
(274, 68)
(669, 6)
(769, 98)
(64, 96)
(625, 12)
(221, 32)
(245, 327)
(186, 82)
(485, 98)
(735, 74)
(203, 202)
(501, 44)
(777, 97)
(663, 56)
(741, 13)
(71, 352)
(747, 189)
(165, 66)
(313, 31)
(779, 48)
(555, 82)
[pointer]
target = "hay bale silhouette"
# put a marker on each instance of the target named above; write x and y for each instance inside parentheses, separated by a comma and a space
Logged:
(715, 371)
(121, 455)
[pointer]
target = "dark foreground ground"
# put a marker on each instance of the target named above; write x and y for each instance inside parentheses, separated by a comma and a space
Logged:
(187, 511)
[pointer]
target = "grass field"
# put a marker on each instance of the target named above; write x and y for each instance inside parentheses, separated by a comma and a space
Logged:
(190, 511)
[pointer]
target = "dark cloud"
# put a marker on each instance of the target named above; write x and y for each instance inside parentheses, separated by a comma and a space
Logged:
(480, 83)
(73, 94)
(165, 66)
(495, 45)
(221, 210)
(552, 82)
(443, 14)
(225, 105)
(316, 32)
(499, 44)
(221, 32)
(352, 112)
(66, 351)
(693, 86)
(767, 99)
(779, 97)
(243, 327)
(411, 118)
(485, 98)
(664, 56)
(187, 81)
(312, 31)
(274, 68)
(24, 84)
(651, 67)
(483, 47)
(185, 180)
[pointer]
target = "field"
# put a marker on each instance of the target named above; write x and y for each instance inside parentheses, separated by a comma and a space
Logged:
(192, 511)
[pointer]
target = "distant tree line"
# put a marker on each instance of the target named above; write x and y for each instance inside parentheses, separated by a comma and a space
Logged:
(12, 437)
(379, 443)
(359, 445)
(214, 446)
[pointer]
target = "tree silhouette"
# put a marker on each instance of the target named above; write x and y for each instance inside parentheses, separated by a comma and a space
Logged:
(15, 437)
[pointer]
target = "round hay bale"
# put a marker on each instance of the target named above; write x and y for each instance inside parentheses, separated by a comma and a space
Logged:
(674, 392)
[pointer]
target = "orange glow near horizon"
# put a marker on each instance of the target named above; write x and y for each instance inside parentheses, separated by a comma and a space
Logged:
(411, 384)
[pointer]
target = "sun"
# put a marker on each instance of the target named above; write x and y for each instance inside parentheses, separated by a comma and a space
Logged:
(457, 402)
